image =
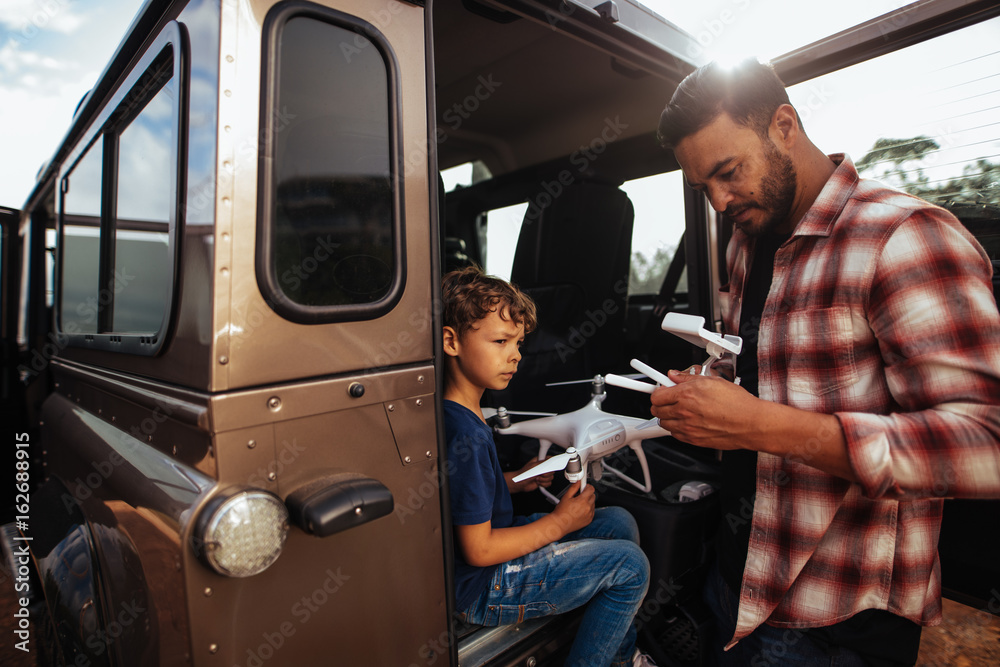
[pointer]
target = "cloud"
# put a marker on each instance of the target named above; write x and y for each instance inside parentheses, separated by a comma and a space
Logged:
(25, 19)
(51, 53)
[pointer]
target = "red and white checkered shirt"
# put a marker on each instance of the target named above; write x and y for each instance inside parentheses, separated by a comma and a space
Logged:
(880, 312)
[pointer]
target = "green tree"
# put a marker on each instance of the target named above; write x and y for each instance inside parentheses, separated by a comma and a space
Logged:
(894, 160)
(901, 163)
(646, 273)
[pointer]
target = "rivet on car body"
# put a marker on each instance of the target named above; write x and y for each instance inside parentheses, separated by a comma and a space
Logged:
(208, 591)
(274, 403)
(356, 390)
(251, 444)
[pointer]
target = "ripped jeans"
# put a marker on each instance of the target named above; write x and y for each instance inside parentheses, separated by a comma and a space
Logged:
(600, 566)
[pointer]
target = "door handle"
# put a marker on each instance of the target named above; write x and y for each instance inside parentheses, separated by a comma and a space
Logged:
(337, 503)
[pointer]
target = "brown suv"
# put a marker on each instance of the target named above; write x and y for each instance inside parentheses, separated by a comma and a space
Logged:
(221, 319)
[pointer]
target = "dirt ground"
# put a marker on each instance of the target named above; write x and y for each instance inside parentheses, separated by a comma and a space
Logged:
(967, 638)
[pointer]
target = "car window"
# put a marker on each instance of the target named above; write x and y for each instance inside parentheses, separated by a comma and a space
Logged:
(332, 244)
(503, 226)
(923, 119)
(118, 213)
(81, 242)
(464, 175)
(143, 267)
(656, 233)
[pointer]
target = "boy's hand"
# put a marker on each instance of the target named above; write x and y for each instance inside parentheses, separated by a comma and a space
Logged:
(529, 484)
(576, 508)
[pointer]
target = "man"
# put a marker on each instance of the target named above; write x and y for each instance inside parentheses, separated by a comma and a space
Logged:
(870, 384)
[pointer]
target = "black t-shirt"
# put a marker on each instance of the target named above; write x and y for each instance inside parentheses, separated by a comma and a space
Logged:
(882, 638)
(739, 466)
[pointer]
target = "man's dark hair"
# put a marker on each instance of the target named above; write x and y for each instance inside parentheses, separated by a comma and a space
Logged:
(749, 92)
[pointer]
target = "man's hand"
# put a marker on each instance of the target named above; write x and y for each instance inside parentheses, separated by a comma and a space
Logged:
(715, 413)
(705, 411)
(529, 484)
(576, 508)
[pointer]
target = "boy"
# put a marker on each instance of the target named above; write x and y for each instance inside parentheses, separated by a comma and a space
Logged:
(508, 569)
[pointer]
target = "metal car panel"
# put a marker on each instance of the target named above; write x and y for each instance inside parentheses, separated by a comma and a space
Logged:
(135, 500)
(253, 344)
(383, 580)
(184, 358)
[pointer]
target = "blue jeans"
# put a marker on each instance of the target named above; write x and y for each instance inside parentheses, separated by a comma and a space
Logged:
(600, 566)
(767, 645)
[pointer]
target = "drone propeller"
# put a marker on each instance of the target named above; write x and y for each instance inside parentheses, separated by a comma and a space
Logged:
(567, 382)
(631, 376)
(491, 412)
(552, 464)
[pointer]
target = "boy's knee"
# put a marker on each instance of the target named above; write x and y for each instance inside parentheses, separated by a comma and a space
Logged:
(624, 523)
(634, 560)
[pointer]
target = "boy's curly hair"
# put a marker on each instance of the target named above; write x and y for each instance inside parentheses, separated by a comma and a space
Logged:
(470, 295)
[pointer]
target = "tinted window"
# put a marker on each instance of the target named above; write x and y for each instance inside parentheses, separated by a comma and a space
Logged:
(332, 218)
(81, 250)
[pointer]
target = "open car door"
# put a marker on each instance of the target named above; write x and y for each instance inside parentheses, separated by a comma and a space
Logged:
(11, 398)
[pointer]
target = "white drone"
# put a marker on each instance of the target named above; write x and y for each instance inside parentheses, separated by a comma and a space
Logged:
(692, 329)
(589, 434)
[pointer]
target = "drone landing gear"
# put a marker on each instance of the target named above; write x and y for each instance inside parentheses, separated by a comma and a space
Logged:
(641, 455)
(596, 471)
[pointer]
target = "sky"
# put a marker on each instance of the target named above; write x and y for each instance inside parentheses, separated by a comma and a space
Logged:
(52, 52)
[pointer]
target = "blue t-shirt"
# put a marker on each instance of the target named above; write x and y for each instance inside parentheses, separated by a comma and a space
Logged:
(478, 492)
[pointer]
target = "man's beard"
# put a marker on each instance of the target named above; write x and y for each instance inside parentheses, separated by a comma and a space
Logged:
(777, 193)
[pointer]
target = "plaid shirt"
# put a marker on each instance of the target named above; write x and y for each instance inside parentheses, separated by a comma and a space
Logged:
(880, 312)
